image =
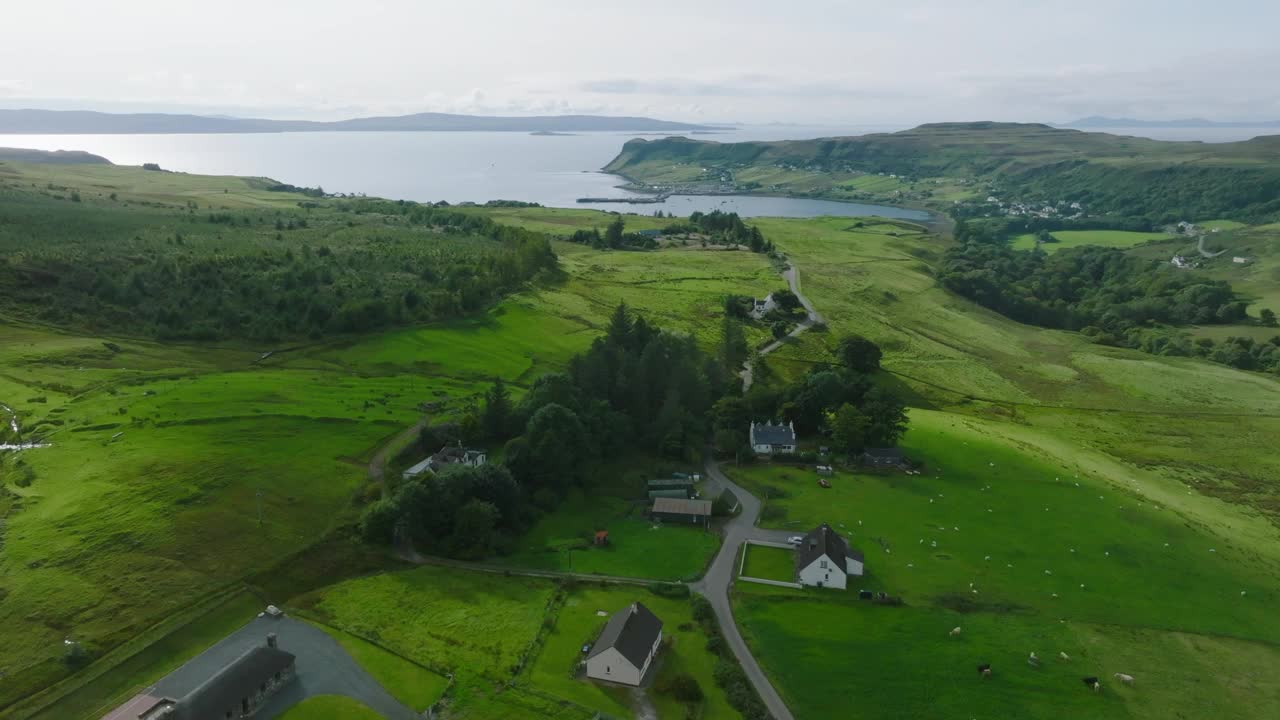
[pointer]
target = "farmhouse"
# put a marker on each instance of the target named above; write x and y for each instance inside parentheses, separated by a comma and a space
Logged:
(676, 510)
(238, 690)
(826, 560)
(769, 439)
(446, 457)
(762, 307)
(884, 458)
(626, 647)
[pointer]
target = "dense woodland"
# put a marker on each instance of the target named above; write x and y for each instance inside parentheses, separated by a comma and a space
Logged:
(715, 227)
(1111, 296)
(177, 272)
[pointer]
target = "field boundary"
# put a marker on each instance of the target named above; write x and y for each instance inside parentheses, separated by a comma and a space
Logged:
(742, 564)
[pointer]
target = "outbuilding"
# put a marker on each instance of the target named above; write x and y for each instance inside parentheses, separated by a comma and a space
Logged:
(825, 559)
(677, 510)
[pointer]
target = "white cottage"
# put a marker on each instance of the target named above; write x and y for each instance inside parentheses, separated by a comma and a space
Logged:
(769, 439)
(627, 646)
(826, 560)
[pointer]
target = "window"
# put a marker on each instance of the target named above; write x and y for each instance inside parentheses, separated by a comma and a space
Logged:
(608, 670)
(822, 564)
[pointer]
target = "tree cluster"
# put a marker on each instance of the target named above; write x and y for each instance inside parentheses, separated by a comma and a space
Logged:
(1078, 288)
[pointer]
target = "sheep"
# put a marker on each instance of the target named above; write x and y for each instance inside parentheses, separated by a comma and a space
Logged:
(1064, 656)
(955, 631)
(1093, 683)
(984, 670)
(1126, 679)
(1032, 660)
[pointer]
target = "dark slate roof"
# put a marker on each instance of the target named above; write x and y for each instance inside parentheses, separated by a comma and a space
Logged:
(884, 453)
(823, 541)
(765, 434)
(632, 631)
(241, 679)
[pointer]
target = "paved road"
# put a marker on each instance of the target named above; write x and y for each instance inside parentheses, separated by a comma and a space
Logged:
(792, 276)
(1206, 253)
(323, 668)
(714, 586)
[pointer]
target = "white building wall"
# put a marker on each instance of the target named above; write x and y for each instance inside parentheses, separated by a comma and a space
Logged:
(832, 576)
(855, 567)
(610, 665)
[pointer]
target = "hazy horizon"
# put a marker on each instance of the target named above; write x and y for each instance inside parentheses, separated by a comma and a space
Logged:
(818, 62)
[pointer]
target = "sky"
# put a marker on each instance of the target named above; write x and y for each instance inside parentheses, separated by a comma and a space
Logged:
(750, 61)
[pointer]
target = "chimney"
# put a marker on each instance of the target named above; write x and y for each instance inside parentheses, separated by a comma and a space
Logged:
(634, 609)
(271, 640)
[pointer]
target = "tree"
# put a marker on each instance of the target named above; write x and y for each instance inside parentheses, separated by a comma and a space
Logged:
(473, 529)
(888, 418)
(786, 300)
(733, 343)
(619, 331)
(495, 418)
(849, 429)
(1267, 317)
(859, 354)
(613, 233)
(779, 329)
(556, 443)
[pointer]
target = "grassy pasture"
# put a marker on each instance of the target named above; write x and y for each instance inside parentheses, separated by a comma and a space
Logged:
(770, 563)
(992, 513)
(1076, 238)
(637, 547)
(440, 617)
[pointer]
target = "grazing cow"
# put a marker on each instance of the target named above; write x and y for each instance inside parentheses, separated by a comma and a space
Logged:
(984, 670)
(1126, 679)
(1064, 656)
(955, 631)
(1093, 683)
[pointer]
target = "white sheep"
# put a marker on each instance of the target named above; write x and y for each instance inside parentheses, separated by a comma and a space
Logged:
(955, 631)
(1064, 656)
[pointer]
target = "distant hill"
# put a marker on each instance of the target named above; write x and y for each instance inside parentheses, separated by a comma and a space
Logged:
(93, 123)
(1116, 174)
(1096, 121)
(52, 157)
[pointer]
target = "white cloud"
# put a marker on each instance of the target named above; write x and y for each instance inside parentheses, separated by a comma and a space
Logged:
(805, 60)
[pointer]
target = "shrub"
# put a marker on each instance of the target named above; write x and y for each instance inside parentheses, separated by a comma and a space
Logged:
(669, 590)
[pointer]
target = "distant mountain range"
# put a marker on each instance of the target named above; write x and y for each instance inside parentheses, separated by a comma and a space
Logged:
(1106, 122)
(58, 122)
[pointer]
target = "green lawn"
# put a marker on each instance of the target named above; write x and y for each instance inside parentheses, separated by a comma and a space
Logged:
(330, 707)
(577, 624)
(1076, 238)
(637, 548)
(770, 563)
(415, 687)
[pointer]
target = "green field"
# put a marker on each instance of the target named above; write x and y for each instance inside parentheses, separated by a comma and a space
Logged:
(1028, 549)
(1076, 238)
(637, 548)
(330, 707)
(770, 563)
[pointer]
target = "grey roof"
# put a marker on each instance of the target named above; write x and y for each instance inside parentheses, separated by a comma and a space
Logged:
(632, 631)
(823, 541)
(671, 482)
(766, 434)
(241, 679)
(682, 507)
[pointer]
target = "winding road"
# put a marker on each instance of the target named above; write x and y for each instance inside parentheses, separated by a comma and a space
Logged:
(792, 276)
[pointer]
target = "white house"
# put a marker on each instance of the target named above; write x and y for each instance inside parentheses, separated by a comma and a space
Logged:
(760, 308)
(769, 439)
(446, 457)
(627, 646)
(1240, 260)
(826, 560)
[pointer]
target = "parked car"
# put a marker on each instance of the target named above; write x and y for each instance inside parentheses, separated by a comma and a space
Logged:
(796, 539)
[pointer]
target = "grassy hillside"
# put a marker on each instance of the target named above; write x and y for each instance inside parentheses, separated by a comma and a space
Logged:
(941, 163)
